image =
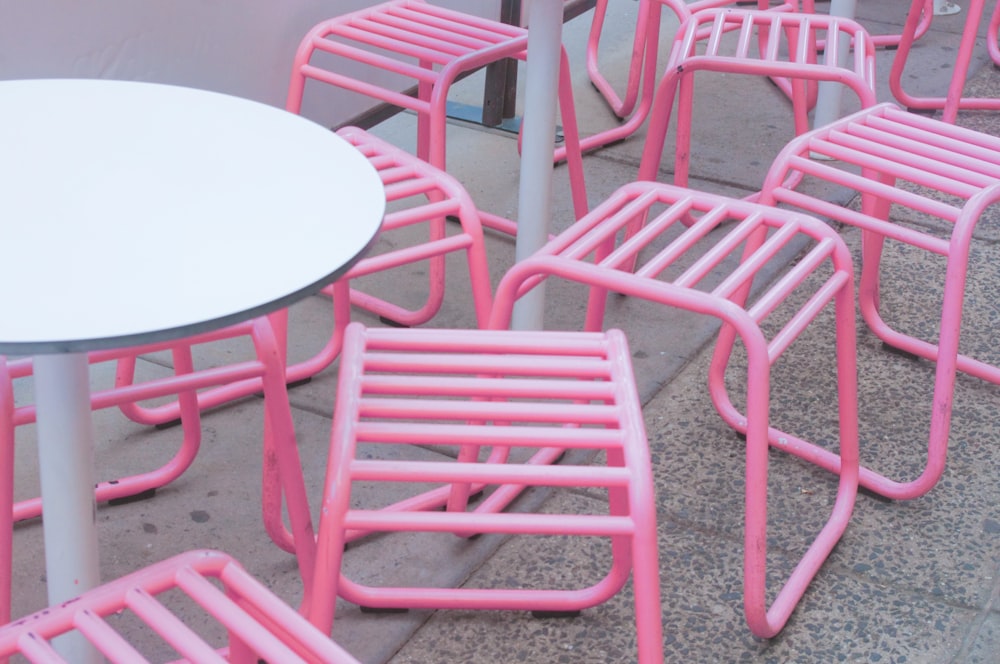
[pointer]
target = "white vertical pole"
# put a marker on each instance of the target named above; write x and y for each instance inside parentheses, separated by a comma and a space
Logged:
(829, 93)
(545, 19)
(66, 468)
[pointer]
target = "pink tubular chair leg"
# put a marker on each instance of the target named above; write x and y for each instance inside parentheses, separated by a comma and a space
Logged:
(421, 195)
(647, 27)
(587, 253)
(259, 626)
(692, 53)
(481, 388)
(902, 161)
(953, 101)
(6, 489)
(428, 48)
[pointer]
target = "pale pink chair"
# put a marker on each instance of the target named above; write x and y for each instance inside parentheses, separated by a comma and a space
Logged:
(926, 15)
(210, 586)
(900, 163)
(571, 392)
(715, 279)
(645, 45)
(418, 194)
(412, 43)
(645, 48)
(702, 45)
(953, 101)
(280, 460)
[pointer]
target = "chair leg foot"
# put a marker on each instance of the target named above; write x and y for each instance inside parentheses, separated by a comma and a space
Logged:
(134, 498)
(169, 424)
(555, 614)
(390, 322)
(899, 351)
(297, 383)
(380, 609)
(865, 491)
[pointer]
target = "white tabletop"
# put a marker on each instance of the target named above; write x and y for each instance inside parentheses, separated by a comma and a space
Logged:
(137, 212)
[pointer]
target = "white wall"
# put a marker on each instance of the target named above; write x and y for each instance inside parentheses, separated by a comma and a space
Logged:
(240, 47)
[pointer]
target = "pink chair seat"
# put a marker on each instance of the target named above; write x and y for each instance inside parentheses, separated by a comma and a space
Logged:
(258, 626)
(568, 391)
(599, 250)
(899, 162)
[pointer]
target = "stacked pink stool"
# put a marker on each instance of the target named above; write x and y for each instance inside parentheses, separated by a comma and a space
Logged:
(645, 46)
(617, 248)
(265, 370)
(902, 164)
(484, 391)
(383, 50)
(257, 625)
(702, 46)
(954, 99)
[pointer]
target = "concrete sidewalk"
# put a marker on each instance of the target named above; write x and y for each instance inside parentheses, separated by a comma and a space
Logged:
(915, 582)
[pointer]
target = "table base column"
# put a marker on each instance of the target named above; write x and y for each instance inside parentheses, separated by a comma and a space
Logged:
(66, 469)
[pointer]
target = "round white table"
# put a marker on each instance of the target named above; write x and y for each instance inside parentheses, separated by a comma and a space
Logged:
(136, 212)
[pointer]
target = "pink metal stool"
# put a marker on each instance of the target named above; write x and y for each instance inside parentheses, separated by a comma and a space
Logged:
(645, 47)
(587, 253)
(954, 99)
(266, 371)
(901, 161)
(893, 40)
(691, 53)
(483, 389)
(258, 626)
(429, 47)
(419, 194)
(645, 44)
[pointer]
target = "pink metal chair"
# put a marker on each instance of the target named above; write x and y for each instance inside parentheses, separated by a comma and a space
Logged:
(477, 389)
(645, 46)
(954, 100)
(898, 162)
(717, 284)
(258, 626)
(643, 64)
(280, 458)
(893, 40)
(792, 59)
(430, 48)
(419, 195)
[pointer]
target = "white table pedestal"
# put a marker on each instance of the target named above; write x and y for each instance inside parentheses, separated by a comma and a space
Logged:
(829, 93)
(66, 470)
(545, 22)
